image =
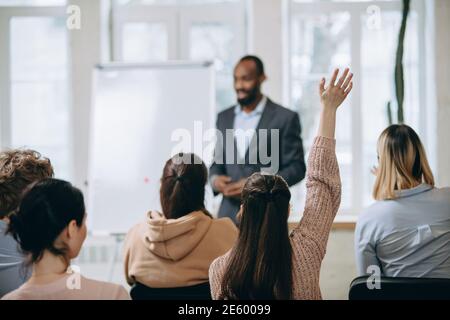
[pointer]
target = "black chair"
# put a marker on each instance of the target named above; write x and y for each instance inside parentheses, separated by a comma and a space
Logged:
(400, 289)
(198, 292)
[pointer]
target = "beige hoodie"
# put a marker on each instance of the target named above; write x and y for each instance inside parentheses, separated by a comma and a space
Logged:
(167, 253)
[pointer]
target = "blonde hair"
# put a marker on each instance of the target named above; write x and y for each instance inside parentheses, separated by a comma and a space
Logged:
(19, 169)
(403, 163)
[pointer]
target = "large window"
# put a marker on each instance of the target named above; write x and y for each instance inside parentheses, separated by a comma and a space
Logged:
(160, 30)
(34, 99)
(11, 3)
(362, 35)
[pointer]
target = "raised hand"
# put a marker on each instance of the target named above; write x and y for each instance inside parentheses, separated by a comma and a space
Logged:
(331, 97)
(334, 94)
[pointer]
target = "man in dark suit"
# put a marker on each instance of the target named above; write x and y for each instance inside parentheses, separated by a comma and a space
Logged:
(275, 145)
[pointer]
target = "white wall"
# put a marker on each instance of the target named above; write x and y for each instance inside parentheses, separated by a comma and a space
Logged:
(266, 42)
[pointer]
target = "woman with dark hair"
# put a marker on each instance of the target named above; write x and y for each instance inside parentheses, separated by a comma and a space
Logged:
(50, 227)
(175, 248)
(267, 262)
(19, 171)
(406, 232)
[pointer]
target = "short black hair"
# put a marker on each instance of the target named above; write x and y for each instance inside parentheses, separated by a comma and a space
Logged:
(44, 213)
(258, 62)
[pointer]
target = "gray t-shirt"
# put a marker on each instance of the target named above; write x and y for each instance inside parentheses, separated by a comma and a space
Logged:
(13, 272)
(408, 236)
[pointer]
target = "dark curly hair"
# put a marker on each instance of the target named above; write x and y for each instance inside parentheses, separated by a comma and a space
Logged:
(19, 169)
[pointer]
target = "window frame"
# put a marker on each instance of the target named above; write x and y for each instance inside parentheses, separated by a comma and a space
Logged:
(178, 18)
(356, 9)
(6, 14)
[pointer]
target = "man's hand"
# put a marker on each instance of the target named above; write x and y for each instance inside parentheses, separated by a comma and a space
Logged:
(234, 189)
(220, 182)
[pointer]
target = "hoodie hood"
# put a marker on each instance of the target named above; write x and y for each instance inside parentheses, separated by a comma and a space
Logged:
(173, 239)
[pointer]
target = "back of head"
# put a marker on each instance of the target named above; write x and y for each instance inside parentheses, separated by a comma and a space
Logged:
(19, 169)
(261, 262)
(183, 186)
(45, 211)
(258, 63)
(403, 163)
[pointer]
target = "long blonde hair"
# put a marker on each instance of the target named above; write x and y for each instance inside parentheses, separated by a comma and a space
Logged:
(403, 163)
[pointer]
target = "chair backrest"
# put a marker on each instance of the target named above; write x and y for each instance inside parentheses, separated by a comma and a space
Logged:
(198, 292)
(399, 289)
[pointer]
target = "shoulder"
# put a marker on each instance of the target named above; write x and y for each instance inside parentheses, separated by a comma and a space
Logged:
(106, 290)
(376, 218)
(442, 194)
(372, 213)
(228, 111)
(135, 231)
(13, 295)
(281, 111)
(223, 231)
(216, 273)
(217, 267)
(224, 224)
(9, 248)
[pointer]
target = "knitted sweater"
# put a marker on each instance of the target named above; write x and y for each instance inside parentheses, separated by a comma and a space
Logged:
(309, 238)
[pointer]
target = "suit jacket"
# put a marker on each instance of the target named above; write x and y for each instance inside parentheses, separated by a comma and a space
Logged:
(290, 152)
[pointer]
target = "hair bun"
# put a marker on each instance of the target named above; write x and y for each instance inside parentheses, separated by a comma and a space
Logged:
(15, 225)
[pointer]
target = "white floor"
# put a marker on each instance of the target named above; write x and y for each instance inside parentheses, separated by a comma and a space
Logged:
(338, 268)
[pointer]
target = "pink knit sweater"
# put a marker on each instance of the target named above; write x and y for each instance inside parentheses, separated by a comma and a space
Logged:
(310, 236)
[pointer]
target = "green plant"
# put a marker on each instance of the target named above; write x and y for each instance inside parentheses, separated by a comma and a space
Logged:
(389, 113)
(399, 71)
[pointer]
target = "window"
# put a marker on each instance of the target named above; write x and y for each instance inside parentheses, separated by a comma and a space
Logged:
(161, 30)
(32, 2)
(145, 42)
(362, 35)
(35, 104)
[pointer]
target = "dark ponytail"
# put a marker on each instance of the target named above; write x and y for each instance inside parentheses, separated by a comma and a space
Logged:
(45, 211)
(183, 186)
(260, 265)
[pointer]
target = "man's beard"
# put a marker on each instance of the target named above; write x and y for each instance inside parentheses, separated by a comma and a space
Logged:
(250, 98)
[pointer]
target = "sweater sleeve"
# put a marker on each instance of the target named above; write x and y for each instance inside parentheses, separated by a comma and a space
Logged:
(323, 198)
(215, 278)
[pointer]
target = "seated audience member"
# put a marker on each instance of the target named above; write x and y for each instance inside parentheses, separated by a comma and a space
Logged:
(19, 169)
(50, 227)
(176, 247)
(267, 262)
(406, 232)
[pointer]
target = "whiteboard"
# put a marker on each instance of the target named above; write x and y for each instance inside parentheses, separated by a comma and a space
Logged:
(136, 109)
